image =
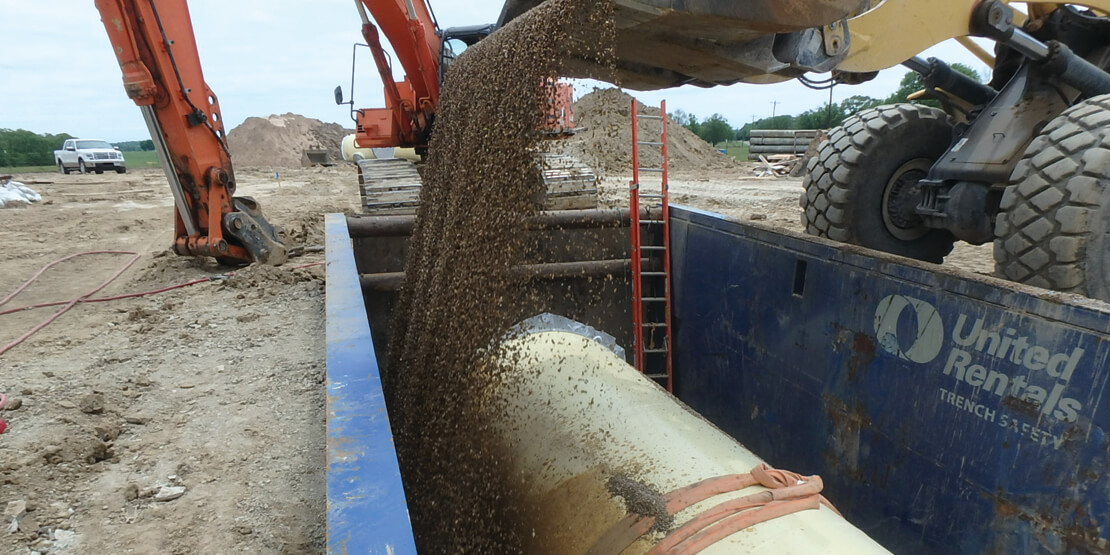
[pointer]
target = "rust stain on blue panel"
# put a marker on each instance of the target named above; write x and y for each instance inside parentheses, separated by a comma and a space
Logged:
(947, 413)
(367, 509)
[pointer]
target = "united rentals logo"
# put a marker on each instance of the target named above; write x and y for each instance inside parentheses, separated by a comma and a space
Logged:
(994, 358)
(927, 329)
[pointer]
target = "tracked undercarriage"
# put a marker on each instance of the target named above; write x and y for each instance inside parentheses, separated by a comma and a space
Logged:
(392, 186)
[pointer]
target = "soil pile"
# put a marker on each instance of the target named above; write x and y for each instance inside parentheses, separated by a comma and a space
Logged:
(280, 141)
(460, 295)
(605, 144)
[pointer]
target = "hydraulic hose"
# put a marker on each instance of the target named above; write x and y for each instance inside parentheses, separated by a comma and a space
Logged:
(86, 298)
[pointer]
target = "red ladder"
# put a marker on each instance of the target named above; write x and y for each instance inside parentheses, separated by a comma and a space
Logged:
(652, 313)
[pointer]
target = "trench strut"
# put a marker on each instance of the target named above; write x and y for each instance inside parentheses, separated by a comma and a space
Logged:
(402, 225)
(392, 281)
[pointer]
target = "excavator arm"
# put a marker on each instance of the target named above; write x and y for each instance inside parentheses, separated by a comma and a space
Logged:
(406, 121)
(411, 28)
(157, 52)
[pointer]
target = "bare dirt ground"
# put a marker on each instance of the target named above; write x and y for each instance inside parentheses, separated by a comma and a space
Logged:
(763, 201)
(216, 388)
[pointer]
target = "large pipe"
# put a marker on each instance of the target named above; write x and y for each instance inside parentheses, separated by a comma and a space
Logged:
(594, 442)
(402, 226)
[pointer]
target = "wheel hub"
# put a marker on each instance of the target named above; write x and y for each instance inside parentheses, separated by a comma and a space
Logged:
(901, 198)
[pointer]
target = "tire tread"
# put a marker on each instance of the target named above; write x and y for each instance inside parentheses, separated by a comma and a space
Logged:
(1050, 218)
(827, 202)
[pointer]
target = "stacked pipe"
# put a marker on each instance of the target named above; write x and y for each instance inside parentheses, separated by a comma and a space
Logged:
(769, 142)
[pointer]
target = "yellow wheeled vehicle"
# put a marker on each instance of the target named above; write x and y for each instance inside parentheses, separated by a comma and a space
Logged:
(1023, 161)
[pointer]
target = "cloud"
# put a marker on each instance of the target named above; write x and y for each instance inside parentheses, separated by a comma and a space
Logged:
(58, 72)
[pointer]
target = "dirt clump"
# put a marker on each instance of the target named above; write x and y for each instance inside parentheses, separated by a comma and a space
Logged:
(460, 294)
(269, 280)
(641, 499)
(217, 387)
(280, 141)
(605, 141)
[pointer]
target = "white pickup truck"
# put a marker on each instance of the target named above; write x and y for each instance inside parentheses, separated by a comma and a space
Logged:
(86, 155)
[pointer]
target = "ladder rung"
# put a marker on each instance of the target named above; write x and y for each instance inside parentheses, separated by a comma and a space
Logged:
(648, 143)
(654, 299)
(657, 376)
(650, 196)
(652, 170)
(652, 222)
(655, 351)
(654, 325)
(654, 274)
(648, 117)
(652, 248)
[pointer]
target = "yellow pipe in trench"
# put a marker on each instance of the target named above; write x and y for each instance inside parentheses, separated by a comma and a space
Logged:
(576, 416)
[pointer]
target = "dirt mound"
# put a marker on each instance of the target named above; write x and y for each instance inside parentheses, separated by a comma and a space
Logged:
(280, 141)
(605, 144)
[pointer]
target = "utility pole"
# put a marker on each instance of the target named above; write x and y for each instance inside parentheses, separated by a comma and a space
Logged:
(828, 109)
(774, 113)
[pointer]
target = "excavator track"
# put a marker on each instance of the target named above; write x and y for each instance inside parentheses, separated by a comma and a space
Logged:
(392, 186)
(389, 186)
(571, 184)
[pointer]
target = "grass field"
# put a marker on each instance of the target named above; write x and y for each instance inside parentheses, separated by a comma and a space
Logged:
(135, 161)
(738, 151)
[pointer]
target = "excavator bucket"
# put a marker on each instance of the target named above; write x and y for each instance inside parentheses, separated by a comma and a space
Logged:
(668, 43)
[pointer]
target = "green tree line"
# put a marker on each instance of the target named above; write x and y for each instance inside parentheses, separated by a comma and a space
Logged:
(135, 146)
(716, 128)
(20, 148)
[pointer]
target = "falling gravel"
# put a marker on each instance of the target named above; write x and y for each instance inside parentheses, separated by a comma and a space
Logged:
(460, 296)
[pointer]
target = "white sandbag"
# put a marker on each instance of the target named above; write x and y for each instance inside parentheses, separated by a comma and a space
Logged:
(28, 193)
(14, 192)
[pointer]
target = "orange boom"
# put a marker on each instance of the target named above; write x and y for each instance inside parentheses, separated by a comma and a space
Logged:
(154, 42)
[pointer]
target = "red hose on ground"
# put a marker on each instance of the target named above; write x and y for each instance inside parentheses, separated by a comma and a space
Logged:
(116, 298)
(43, 270)
(3, 404)
(134, 258)
(85, 298)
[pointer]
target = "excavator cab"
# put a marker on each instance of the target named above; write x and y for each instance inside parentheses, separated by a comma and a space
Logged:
(456, 40)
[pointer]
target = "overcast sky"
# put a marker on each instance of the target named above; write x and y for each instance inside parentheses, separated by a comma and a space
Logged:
(262, 57)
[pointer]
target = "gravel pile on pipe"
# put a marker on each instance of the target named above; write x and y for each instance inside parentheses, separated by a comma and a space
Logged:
(460, 295)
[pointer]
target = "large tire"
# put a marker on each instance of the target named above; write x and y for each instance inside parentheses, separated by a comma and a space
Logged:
(1053, 229)
(861, 188)
(81, 167)
(62, 168)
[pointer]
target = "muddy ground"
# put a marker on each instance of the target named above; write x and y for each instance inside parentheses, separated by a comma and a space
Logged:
(217, 388)
(762, 201)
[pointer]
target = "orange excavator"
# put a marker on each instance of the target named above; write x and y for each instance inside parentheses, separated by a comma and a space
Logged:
(391, 185)
(425, 52)
(410, 110)
(156, 48)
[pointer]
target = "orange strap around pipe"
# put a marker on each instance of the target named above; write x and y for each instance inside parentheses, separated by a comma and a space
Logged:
(787, 494)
